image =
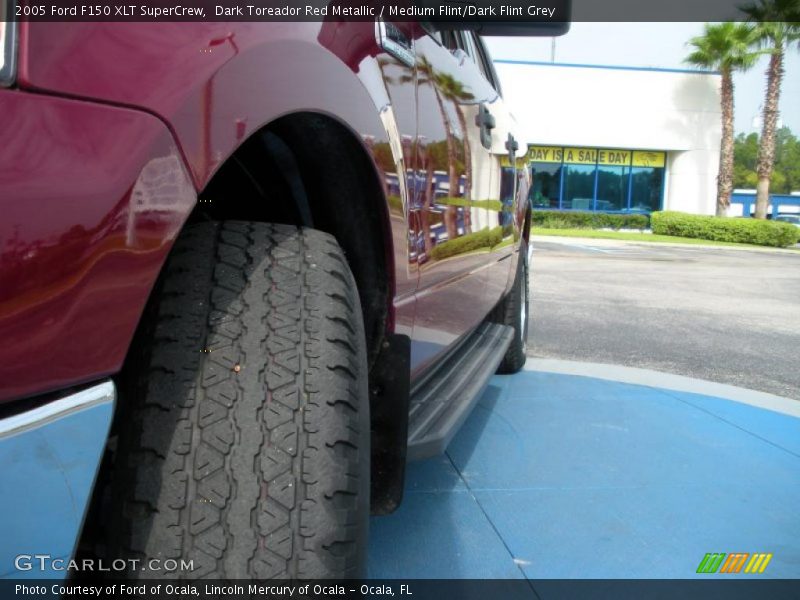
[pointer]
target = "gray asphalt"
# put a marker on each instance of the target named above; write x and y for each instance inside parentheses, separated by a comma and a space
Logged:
(730, 316)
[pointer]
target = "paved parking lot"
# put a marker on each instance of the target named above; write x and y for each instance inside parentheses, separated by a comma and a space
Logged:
(724, 315)
(562, 476)
(577, 469)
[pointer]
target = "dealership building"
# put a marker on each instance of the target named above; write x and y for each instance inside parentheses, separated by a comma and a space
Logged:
(617, 138)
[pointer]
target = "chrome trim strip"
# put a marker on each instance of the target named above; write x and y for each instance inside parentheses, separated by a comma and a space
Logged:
(98, 394)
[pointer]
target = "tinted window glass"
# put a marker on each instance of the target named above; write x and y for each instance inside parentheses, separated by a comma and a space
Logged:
(646, 185)
(612, 188)
(452, 40)
(578, 187)
(546, 185)
(487, 67)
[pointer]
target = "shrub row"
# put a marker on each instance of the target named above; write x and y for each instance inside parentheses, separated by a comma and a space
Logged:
(395, 204)
(725, 229)
(485, 238)
(551, 219)
(493, 205)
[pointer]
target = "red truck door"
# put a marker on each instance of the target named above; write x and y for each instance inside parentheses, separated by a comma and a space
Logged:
(459, 180)
(509, 181)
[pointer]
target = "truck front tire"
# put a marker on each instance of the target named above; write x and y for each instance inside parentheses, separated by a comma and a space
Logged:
(244, 437)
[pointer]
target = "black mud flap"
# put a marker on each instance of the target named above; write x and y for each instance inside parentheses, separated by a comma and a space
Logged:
(389, 383)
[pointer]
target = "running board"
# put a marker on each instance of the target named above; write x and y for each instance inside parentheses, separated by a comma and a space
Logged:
(443, 401)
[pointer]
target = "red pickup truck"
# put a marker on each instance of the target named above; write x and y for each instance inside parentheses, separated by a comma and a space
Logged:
(251, 269)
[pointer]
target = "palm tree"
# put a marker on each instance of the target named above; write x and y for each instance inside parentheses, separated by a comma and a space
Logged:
(726, 47)
(777, 27)
(427, 160)
(447, 88)
(453, 90)
(427, 75)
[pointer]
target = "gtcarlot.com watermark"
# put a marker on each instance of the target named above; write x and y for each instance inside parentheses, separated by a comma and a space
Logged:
(45, 562)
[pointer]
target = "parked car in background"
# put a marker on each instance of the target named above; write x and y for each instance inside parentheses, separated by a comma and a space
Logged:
(793, 219)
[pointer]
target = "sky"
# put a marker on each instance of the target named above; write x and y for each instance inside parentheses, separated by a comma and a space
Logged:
(661, 45)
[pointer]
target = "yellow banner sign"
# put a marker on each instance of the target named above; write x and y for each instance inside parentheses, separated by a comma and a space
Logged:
(580, 156)
(614, 157)
(548, 154)
(601, 156)
(646, 158)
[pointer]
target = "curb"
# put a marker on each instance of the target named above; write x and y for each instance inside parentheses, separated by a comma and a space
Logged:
(666, 381)
(612, 242)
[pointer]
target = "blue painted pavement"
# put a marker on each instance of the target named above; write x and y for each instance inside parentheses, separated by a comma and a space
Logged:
(563, 476)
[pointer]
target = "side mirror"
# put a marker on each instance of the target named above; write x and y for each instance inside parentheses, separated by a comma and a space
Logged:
(488, 17)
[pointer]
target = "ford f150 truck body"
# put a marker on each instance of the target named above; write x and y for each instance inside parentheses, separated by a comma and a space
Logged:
(268, 262)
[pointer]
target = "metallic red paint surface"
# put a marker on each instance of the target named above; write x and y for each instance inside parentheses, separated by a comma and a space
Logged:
(77, 262)
(214, 83)
(68, 308)
(91, 198)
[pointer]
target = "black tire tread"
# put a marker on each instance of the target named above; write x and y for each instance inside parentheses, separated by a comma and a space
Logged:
(244, 446)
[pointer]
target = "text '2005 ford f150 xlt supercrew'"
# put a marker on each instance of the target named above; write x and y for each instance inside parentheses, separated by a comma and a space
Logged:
(247, 270)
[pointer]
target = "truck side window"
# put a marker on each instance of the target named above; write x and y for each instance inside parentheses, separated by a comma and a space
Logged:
(486, 64)
(452, 40)
(436, 35)
(472, 45)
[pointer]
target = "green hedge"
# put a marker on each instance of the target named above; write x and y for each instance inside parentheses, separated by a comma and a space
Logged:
(485, 238)
(725, 229)
(551, 219)
(395, 204)
(493, 205)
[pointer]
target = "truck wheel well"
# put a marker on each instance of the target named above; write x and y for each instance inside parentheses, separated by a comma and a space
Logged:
(307, 169)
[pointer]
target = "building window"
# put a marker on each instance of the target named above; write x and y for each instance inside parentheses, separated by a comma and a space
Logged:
(545, 185)
(612, 188)
(578, 187)
(596, 179)
(646, 187)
